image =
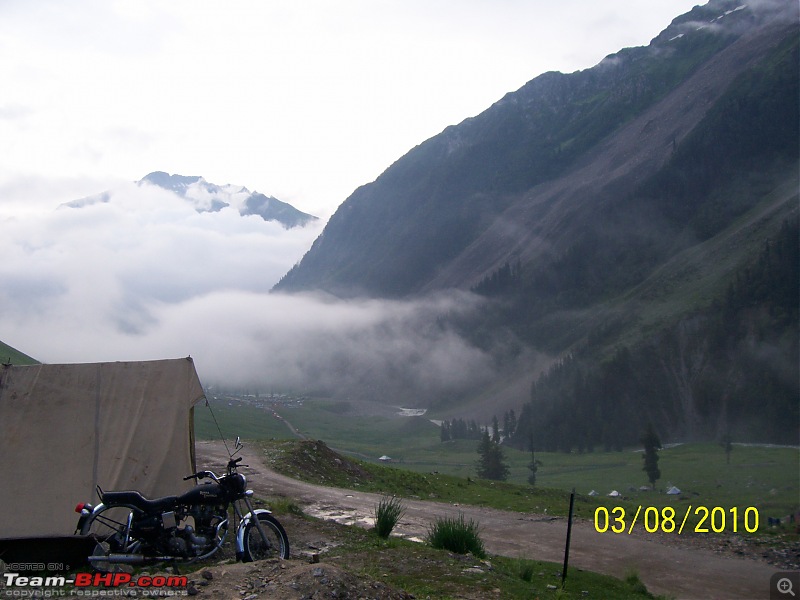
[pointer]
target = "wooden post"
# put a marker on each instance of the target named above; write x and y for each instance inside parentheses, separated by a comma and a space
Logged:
(569, 534)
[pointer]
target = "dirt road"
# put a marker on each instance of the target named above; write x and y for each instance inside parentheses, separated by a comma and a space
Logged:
(681, 572)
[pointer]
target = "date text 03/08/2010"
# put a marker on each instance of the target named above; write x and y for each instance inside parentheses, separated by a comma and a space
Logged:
(710, 520)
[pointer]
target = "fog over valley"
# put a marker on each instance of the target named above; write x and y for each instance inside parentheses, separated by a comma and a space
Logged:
(139, 273)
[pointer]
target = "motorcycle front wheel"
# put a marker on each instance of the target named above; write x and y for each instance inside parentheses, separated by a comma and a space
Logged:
(277, 542)
(109, 527)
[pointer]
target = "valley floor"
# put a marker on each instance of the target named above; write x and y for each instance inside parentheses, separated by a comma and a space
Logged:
(678, 568)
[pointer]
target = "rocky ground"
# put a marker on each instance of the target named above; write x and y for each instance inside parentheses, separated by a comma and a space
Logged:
(290, 579)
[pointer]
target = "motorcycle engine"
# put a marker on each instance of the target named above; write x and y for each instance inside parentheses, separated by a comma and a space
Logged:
(202, 536)
(185, 542)
(204, 515)
(176, 546)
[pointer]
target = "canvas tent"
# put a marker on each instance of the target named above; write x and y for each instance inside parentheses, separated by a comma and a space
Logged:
(68, 428)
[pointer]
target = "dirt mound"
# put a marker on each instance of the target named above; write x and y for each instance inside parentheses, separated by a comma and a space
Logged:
(314, 461)
(289, 580)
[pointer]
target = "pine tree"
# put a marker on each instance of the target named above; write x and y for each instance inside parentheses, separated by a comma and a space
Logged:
(491, 463)
(445, 431)
(533, 466)
(651, 445)
(727, 444)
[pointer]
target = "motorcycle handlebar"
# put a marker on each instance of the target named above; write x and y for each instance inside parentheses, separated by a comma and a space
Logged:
(201, 475)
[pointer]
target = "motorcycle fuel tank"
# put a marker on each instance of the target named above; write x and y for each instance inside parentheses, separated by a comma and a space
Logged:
(206, 493)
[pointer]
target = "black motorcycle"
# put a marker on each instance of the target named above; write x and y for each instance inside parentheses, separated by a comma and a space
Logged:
(133, 530)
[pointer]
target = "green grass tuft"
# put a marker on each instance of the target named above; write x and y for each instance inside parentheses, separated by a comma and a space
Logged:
(635, 584)
(387, 513)
(457, 535)
(525, 569)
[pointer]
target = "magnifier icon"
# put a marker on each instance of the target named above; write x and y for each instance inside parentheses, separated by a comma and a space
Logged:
(785, 586)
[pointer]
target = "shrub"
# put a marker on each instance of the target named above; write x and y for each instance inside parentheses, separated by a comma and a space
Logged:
(635, 584)
(284, 506)
(525, 570)
(456, 535)
(387, 513)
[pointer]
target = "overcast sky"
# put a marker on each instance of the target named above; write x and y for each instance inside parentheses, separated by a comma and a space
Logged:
(305, 100)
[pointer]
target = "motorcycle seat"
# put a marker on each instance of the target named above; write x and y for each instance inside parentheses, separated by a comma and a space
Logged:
(135, 499)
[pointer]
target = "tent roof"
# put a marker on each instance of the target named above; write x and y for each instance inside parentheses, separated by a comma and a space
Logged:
(70, 427)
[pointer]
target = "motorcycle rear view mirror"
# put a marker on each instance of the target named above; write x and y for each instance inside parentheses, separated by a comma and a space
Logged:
(237, 446)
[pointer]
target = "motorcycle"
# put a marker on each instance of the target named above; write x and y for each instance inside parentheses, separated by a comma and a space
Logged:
(130, 529)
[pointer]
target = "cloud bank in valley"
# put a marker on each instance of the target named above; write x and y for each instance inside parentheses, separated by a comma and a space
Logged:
(144, 276)
(116, 261)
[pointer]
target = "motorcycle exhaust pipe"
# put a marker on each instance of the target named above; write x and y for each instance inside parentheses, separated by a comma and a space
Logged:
(129, 559)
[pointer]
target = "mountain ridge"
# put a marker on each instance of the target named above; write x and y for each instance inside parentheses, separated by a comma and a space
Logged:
(210, 197)
(455, 184)
(655, 132)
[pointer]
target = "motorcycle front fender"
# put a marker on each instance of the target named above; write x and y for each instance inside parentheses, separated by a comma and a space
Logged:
(245, 521)
(85, 514)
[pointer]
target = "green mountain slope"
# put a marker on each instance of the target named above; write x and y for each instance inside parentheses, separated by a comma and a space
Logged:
(12, 356)
(458, 206)
(617, 219)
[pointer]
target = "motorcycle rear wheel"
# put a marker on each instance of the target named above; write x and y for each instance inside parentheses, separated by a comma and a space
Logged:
(109, 528)
(277, 545)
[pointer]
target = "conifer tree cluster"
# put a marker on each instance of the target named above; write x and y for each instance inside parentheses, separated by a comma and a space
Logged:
(459, 429)
(491, 462)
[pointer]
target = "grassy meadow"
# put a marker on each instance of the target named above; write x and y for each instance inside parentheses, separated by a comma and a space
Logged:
(767, 478)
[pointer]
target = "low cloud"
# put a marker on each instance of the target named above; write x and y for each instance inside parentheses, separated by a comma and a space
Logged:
(114, 266)
(144, 276)
(364, 349)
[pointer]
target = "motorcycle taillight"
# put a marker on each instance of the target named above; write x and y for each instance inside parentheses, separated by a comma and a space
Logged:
(79, 507)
